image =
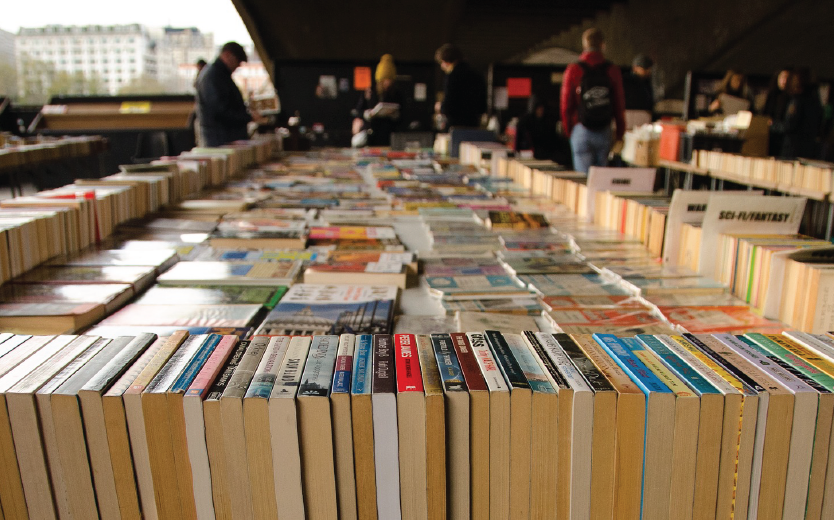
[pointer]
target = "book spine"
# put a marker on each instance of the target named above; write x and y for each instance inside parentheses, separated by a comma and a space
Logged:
(344, 364)
(535, 344)
(363, 365)
(682, 370)
(219, 385)
(506, 361)
(468, 363)
(200, 385)
(773, 365)
(447, 363)
(239, 383)
(108, 375)
(486, 362)
(622, 352)
(383, 368)
(289, 376)
(266, 374)
(318, 371)
(409, 378)
(178, 360)
(533, 371)
(557, 356)
(195, 364)
(593, 376)
(724, 363)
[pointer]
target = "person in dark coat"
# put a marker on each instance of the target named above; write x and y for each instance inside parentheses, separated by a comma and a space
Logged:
(803, 117)
(380, 126)
(464, 92)
(221, 111)
(775, 108)
(637, 85)
(536, 130)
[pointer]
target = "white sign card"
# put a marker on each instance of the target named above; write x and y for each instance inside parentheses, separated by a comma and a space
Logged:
(735, 214)
(624, 180)
(500, 98)
(688, 206)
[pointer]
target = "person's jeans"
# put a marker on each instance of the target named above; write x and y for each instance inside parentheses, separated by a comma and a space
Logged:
(590, 148)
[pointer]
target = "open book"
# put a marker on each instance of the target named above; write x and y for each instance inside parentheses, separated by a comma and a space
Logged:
(385, 110)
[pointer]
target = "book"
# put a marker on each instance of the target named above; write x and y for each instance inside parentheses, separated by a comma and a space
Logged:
(575, 427)
(162, 259)
(195, 425)
(544, 431)
(134, 413)
(806, 402)
(499, 426)
(49, 318)
(372, 273)
(386, 443)
(231, 273)
(226, 315)
(520, 413)
(112, 296)
(139, 277)
(659, 434)
(411, 428)
(91, 397)
(520, 306)
(21, 409)
(118, 439)
(435, 430)
(457, 423)
(256, 428)
(363, 428)
(283, 423)
(772, 446)
(267, 296)
(177, 373)
(710, 426)
(604, 428)
(68, 422)
(315, 427)
(334, 309)
(343, 427)
(740, 410)
(478, 426)
(481, 321)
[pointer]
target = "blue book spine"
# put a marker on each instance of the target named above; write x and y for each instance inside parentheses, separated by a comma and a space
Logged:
(682, 370)
(622, 352)
(362, 364)
(447, 362)
(196, 364)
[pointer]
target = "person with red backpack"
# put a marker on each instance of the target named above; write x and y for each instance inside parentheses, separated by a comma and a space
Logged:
(592, 96)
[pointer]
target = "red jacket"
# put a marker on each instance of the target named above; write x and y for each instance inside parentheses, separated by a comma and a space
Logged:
(570, 92)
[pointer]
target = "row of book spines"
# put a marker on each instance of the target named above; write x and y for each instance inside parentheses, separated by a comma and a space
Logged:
(100, 218)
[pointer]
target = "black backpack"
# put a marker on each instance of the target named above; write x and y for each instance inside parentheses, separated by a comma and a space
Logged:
(596, 104)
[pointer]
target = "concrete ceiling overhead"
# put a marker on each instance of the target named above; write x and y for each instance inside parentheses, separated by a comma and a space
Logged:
(487, 30)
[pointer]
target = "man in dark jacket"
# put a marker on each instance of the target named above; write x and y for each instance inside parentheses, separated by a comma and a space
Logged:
(464, 93)
(222, 114)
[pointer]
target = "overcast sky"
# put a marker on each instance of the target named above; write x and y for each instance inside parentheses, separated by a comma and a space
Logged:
(211, 16)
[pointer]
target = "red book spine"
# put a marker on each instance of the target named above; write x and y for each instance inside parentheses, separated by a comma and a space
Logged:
(468, 363)
(409, 378)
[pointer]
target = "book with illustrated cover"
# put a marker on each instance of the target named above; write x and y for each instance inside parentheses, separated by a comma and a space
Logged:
(308, 309)
(515, 220)
(268, 296)
(358, 245)
(231, 273)
(243, 255)
(481, 321)
(262, 239)
(341, 233)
